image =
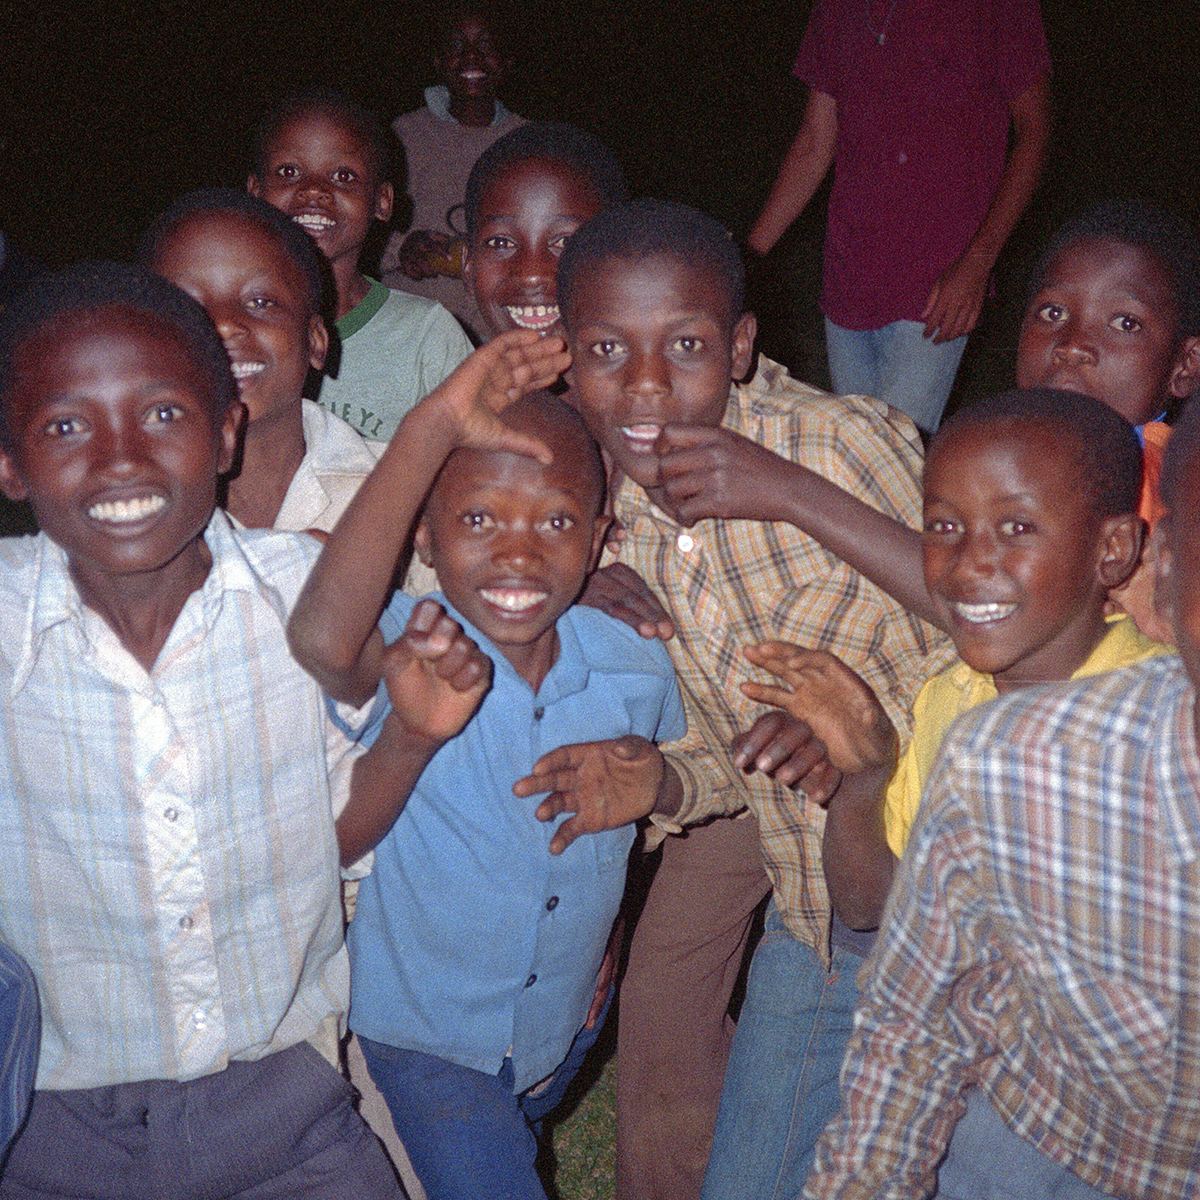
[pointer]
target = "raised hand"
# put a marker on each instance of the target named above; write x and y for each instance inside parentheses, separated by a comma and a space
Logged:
(605, 784)
(835, 702)
(786, 749)
(622, 593)
(435, 675)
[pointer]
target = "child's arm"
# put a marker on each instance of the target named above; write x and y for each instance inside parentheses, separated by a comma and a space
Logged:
(332, 630)
(436, 677)
(714, 472)
(861, 742)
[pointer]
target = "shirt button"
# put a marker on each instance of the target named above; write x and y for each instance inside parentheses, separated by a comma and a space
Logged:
(198, 1019)
(685, 542)
(552, 904)
(186, 922)
(539, 713)
(172, 814)
(531, 981)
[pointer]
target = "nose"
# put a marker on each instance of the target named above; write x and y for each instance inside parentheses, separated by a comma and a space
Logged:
(119, 450)
(646, 374)
(516, 547)
(311, 184)
(229, 319)
(977, 554)
(1074, 343)
(536, 267)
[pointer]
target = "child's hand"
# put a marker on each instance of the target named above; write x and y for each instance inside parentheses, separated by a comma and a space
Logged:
(818, 688)
(785, 748)
(508, 367)
(605, 784)
(607, 972)
(436, 676)
(714, 472)
(622, 593)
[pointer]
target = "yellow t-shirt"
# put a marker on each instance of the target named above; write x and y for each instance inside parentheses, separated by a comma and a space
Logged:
(958, 689)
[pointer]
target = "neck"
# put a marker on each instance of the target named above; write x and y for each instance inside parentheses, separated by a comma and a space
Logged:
(271, 455)
(475, 111)
(352, 285)
(533, 661)
(142, 609)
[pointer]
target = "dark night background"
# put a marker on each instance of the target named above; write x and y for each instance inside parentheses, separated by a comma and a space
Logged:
(113, 109)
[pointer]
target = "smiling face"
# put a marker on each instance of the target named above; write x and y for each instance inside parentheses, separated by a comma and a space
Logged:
(470, 62)
(259, 300)
(512, 540)
(1015, 555)
(116, 445)
(1105, 323)
(527, 211)
(653, 343)
(320, 173)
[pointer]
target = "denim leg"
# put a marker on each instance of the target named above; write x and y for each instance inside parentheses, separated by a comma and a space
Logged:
(464, 1130)
(782, 1083)
(538, 1108)
(853, 360)
(987, 1161)
(915, 375)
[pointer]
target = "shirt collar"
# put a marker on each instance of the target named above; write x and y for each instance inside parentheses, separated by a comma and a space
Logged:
(437, 100)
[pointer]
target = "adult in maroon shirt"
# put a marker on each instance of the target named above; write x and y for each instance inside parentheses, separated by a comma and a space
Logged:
(911, 102)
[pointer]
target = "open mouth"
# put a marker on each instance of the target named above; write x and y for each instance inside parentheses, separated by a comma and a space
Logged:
(533, 316)
(242, 371)
(314, 223)
(641, 438)
(126, 512)
(514, 600)
(982, 614)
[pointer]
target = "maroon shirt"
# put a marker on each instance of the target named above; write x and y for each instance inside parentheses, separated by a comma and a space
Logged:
(922, 137)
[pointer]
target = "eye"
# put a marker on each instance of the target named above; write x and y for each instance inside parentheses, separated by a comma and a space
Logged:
(62, 427)
(605, 349)
(559, 243)
(1124, 323)
(164, 414)
(688, 344)
(477, 520)
(941, 526)
(260, 303)
(499, 241)
(1015, 527)
(559, 523)
(344, 175)
(1052, 313)
(287, 171)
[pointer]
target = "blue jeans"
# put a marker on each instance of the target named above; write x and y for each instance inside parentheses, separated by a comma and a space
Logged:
(897, 364)
(468, 1135)
(781, 1087)
(987, 1161)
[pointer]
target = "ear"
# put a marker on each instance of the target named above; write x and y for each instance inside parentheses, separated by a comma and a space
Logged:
(318, 342)
(253, 186)
(744, 331)
(468, 269)
(231, 434)
(1120, 546)
(385, 197)
(11, 483)
(422, 543)
(600, 529)
(1185, 375)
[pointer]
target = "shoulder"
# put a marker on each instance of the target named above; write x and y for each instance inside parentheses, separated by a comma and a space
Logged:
(613, 646)
(334, 444)
(404, 314)
(1129, 706)
(265, 560)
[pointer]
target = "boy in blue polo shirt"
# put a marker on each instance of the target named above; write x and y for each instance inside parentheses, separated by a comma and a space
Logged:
(477, 939)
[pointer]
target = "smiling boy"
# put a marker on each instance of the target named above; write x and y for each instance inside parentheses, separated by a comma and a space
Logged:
(171, 776)
(651, 295)
(479, 935)
(324, 161)
(1039, 948)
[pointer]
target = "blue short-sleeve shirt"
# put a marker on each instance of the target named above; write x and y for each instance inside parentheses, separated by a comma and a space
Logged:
(470, 940)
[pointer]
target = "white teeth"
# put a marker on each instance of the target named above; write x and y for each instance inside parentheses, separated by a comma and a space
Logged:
(980, 613)
(533, 316)
(243, 370)
(314, 222)
(513, 600)
(119, 512)
(641, 437)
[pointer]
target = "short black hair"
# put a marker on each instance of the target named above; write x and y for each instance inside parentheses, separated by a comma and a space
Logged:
(1108, 454)
(90, 287)
(447, 17)
(328, 102)
(287, 235)
(575, 148)
(1165, 236)
(642, 228)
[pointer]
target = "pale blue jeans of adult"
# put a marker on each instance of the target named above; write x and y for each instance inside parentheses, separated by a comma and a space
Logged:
(781, 1087)
(987, 1161)
(897, 364)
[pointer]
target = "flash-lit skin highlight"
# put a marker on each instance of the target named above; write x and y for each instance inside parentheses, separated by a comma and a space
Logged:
(117, 443)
